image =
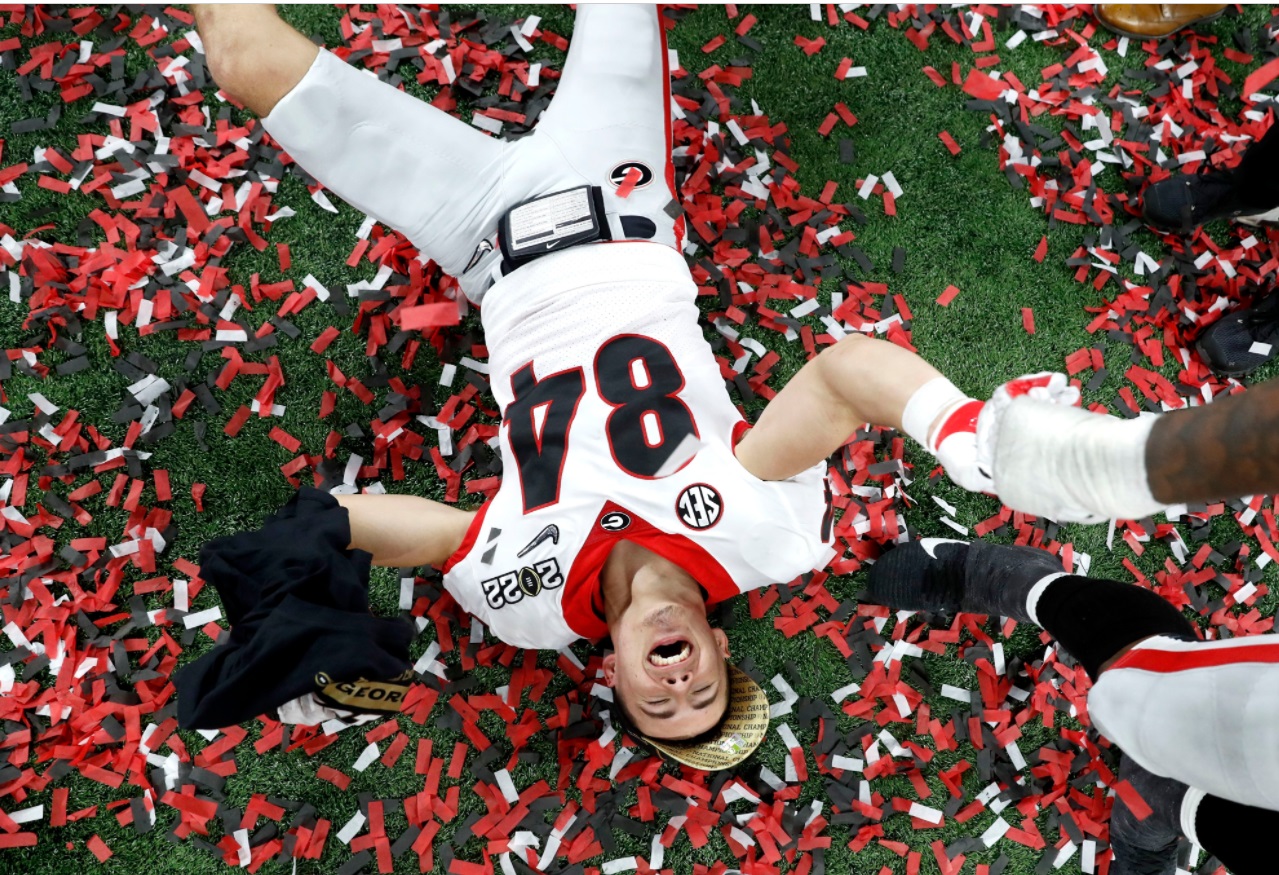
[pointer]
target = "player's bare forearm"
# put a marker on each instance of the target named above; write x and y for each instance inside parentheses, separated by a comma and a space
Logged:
(857, 381)
(253, 54)
(1224, 450)
(403, 531)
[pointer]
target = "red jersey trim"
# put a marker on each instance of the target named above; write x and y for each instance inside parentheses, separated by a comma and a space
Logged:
(469, 539)
(583, 599)
(740, 431)
(1171, 661)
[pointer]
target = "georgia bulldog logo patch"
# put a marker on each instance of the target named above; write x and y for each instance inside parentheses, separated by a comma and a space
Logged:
(615, 521)
(618, 174)
(699, 506)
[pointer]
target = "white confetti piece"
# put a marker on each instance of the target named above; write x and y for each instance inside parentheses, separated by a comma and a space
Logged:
(923, 812)
(868, 186)
(507, 786)
(1259, 348)
(844, 692)
(199, 618)
(352, 828)
(323, 200)
(47, 407)
(995, 832)
(848, 764)
(366, 759)
(243, 853)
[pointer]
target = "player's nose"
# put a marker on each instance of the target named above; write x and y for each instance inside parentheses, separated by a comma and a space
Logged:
(680, 680)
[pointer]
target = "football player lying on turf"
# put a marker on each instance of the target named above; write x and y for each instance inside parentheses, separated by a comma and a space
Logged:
(1197, 721)
(634, 495)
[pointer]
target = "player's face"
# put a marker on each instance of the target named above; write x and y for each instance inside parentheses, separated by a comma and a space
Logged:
(669, 670)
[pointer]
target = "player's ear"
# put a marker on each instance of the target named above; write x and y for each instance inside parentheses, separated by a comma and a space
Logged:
(610, 669)
(721, 641)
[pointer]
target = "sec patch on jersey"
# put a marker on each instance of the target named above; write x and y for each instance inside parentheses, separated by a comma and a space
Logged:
(699, 506)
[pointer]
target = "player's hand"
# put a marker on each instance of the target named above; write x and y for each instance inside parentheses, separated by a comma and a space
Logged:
(956, 442)
(1028, 494)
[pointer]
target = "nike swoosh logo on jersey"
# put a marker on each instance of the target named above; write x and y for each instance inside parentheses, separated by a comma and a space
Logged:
(481, 250)
(552, 532)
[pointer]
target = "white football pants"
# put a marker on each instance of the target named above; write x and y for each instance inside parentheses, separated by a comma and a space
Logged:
(445, 184)
(1203, 712)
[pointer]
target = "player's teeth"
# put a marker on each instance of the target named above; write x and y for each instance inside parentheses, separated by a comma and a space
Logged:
(669, 660)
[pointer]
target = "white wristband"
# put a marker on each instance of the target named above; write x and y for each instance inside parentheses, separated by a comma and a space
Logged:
(930, 401)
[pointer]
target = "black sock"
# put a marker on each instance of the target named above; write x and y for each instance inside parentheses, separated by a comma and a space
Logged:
(1094, 620)
(1235, 833)
(1258, 172)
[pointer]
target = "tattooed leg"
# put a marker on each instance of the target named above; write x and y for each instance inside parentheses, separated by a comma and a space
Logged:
(1224, 450)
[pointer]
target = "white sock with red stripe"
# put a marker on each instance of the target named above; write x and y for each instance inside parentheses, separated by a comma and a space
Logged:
(931, 402)
(944, 420)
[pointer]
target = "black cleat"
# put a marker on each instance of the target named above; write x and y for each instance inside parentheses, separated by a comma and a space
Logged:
(937, 574)
(1240, 342)
(1146, 847)
(1188, 200)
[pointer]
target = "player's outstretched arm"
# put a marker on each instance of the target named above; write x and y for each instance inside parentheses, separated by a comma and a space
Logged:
(252, 54)
(857, 381)
(402, 531)
(1070, 464)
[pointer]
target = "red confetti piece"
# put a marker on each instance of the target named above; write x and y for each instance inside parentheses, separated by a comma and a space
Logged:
(429, 316)
(982, 87)
(632, 179)
(949, 142)
(1028, 319)
(99, 848)
(1260, 78)
(1042, 249)
(947, 296)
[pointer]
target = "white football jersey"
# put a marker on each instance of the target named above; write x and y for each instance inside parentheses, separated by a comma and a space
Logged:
(616, 425)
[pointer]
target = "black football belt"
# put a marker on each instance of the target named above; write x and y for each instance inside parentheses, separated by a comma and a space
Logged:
(555, 222)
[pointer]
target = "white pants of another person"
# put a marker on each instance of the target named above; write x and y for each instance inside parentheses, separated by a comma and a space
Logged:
(1203, 712)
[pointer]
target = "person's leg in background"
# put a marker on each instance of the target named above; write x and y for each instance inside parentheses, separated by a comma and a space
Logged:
(1096, 622)
(399, 159)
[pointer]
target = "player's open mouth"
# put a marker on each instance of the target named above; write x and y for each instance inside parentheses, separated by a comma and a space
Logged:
(670, 653)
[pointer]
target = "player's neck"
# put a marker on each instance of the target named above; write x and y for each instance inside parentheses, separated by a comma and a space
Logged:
(633, 574)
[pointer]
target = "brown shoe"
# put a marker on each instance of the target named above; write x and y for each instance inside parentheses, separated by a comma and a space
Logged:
(1155, 20)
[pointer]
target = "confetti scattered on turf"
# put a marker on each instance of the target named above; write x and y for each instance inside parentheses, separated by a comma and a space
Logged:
(97, 623)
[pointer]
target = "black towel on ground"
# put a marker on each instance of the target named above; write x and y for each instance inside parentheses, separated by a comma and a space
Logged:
(297, 600)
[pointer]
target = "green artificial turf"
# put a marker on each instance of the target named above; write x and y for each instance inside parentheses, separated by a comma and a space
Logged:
(960, 223)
